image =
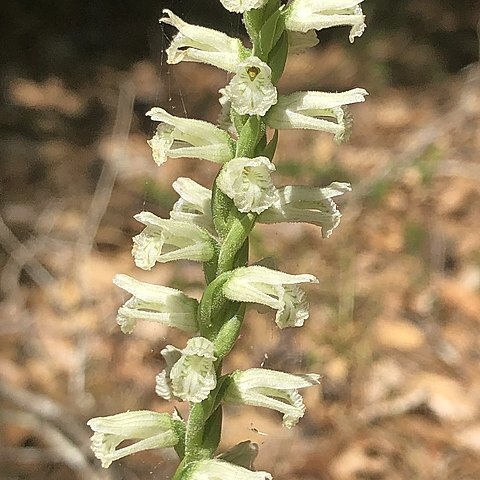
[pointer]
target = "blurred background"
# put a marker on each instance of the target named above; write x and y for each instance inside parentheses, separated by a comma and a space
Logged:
(395, 320)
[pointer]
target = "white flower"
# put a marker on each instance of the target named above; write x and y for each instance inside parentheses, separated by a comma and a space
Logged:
(248, 183)
(274, 289)
(260, 387)
(166, 240)
(151, 429)
(316, 111)
(307, 204)
(155, 303)
(202, 45)
(251, 90)
(241, 6)
(183, 137)
(219, 470)
(194, 204)
(298, 42)
(304, 15)
(190, 373)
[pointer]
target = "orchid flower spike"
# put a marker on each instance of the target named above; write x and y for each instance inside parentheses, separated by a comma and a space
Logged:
(315, 111)
(274, 289)
(178, 137)
(305, 15)
(214, 469)
(194, 204)
(248, 182)
(202, 45)
(314, 205)
(151, 429)
(167, 240)
(155, 303)
(241, 6)
(251, 90)
(190, 373)
(260, 387)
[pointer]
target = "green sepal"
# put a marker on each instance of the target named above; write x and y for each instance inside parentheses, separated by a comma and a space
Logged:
(271, 147)
(250, 135)
(278, 57)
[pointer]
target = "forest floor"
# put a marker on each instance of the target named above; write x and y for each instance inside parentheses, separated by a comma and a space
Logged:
(395, 321)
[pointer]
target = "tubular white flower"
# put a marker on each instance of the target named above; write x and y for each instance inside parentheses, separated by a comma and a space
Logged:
(304, 15)
(248, 183)
(260, 387)
(167, 240)
(274, 289)
(202, 45)
(155, 303)
(219, 470)
(190, 373)
(298, 42)
(153, 430)
(251, 90)
(241, 6)
(307, 204)
(178, 137)
(194, 204)
(316, 111)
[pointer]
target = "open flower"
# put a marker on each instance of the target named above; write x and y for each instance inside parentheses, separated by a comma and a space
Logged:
(178, 137)
(314, 205)
(241, 6)
(304, 15)
(167, 240)
(214, 469)
(316, 111)
(260, 387)
(194, 204)
(251, 90)
(274, 289)
(155, 303)
(190, 373)
(203, 45)
(151, 429)
(248, 183)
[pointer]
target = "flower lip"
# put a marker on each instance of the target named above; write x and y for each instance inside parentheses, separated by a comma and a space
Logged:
(247, 181)
(251, 90)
